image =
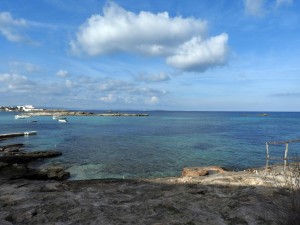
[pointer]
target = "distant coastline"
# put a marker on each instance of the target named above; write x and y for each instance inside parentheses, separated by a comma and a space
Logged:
(80, 113)
(32, 111)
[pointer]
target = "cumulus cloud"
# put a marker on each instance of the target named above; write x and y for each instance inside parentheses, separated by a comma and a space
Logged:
(62, 73)
(198, 54)
(9, 27)
(118, 30)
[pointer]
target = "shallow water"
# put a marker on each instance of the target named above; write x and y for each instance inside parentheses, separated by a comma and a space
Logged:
(159, 145)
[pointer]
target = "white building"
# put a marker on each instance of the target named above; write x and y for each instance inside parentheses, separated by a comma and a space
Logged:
(26, 108)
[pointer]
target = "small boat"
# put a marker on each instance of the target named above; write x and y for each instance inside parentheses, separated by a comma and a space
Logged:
(21, 116)
(62, 120)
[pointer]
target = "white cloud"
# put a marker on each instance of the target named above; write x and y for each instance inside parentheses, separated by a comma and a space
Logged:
(107, 91)
(9, 27)
(12, 78)
(110, 85)
(148, 33)
(146, 91)
(118, 30)
(11, 84)
(15, 83)
(109, 98)
(254, 7)
(159, 77)
(199, 55)
(62, 73)
(125, 92)
(154, 100)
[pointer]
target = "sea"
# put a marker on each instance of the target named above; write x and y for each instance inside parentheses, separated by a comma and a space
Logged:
(158, 145)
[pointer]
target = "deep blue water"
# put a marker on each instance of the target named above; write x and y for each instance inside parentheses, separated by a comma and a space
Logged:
(156, 146)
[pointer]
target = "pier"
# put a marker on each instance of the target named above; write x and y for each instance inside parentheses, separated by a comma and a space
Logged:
(11, 135)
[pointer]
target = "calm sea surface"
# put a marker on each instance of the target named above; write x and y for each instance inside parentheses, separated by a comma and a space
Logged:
(156, 146)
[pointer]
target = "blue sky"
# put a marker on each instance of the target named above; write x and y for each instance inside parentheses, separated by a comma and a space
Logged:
(172, 55)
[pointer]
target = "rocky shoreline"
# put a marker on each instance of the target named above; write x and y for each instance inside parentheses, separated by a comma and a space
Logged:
(227, 198)
(16, 163)
(202, 195)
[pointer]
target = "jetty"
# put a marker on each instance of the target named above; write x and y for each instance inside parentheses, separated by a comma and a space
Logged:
(11, 135)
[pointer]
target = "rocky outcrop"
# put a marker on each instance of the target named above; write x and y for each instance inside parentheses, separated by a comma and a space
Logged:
(11, 148)
(201, 171)
(13, 172)
(22, 157)
(194, 172)
(14, 164)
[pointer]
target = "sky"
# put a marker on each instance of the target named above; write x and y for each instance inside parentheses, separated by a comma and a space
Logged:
(221, 55)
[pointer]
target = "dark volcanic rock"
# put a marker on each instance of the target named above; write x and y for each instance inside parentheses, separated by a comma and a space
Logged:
(14, 164)
(213, 200)
(26, 157)
(13, 172)
(11, 148)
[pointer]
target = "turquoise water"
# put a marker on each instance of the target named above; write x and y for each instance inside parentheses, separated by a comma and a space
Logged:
(156, 146)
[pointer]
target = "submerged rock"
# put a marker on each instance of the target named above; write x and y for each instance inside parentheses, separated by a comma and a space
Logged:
(56, 173)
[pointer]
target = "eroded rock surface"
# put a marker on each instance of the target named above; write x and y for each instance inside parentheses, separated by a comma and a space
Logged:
(228, 198)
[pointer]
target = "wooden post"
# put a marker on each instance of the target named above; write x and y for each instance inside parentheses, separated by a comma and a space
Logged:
(285, 155)
(267, 156)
